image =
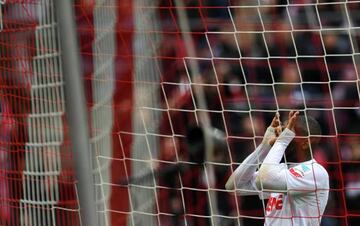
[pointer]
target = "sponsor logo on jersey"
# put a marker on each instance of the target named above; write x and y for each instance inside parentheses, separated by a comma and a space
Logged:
(275, 203)
(304, 168)
(300, 170)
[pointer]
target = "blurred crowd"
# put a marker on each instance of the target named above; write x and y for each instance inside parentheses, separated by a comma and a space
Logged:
(301, 57)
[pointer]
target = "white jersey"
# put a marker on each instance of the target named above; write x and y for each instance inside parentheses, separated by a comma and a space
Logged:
(302, 189)
(305, 200)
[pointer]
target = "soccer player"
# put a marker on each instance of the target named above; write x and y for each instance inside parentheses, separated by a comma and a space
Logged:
(297, 194)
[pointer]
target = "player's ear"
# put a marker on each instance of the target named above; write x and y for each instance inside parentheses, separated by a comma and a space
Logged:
(304, 144)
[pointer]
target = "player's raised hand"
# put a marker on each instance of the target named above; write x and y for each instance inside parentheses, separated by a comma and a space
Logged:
(292, 120)
(276, 124)
(276, 120)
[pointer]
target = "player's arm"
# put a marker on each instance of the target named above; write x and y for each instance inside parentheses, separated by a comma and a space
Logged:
(243, 178)
(272, 175)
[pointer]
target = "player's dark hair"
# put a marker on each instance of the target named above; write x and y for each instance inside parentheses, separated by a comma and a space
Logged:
(302, 128)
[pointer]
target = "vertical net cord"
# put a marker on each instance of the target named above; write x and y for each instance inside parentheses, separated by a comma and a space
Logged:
(247, 99)
(1, 16)
(104, 48)
(248, 95)
(194, 75)
(331, 95)
(146, 118)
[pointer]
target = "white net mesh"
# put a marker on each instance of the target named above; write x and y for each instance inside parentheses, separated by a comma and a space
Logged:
(255, 58)
(45, 128)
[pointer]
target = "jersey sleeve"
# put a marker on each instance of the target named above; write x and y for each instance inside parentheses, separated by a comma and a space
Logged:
(305, 178)
(261, 194)
(276, 182)
(250, 188)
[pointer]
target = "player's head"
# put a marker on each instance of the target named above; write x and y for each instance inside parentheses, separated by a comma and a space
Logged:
(307, 126)
(305, 129)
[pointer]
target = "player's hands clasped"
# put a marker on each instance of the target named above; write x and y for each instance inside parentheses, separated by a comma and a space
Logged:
(276, 125)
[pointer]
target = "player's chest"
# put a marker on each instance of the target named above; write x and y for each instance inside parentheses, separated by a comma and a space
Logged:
(276, 203)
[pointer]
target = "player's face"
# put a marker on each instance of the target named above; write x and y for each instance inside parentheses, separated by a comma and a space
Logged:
(300, 140)
(301, 143)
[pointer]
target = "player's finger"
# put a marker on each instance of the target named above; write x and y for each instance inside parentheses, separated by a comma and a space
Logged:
(273, 121)
(287, 123)
(291, 113)
(276, 121)
(278, 131)
(279, 121)
(292, 120)
(294, 115)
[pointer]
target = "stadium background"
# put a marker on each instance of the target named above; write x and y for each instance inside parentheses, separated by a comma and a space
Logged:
(141, 102)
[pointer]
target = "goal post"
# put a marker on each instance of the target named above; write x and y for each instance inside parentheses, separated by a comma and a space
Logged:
(76, 111)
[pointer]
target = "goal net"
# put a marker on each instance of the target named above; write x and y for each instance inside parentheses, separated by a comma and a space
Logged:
(178, 94)
(236, 63)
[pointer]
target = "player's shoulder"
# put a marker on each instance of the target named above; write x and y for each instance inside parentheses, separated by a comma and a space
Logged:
(321, 175)
(319, 170)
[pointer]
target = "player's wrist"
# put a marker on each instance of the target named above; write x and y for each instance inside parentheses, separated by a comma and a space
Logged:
(286, 136)
(269, 133)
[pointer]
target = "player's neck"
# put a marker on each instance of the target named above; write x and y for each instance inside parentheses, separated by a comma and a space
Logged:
(306, 156)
